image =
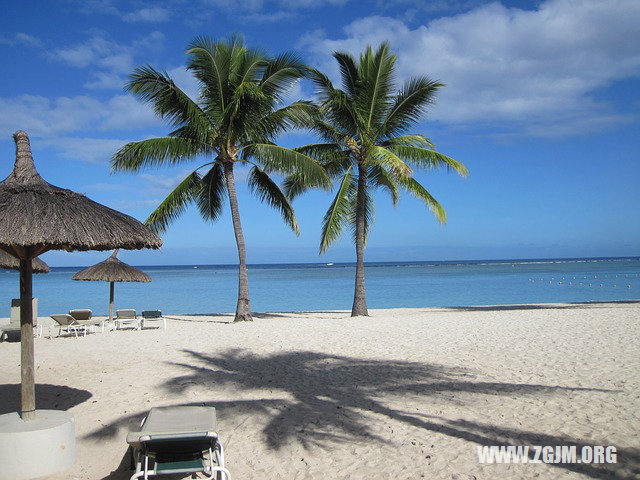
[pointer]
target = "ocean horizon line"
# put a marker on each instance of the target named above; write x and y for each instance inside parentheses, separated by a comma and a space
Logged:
(481, 261)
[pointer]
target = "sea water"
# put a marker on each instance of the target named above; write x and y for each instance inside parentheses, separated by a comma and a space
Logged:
(298, 287)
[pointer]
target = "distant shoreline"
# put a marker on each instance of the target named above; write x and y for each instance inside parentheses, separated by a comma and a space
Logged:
(504, 261)
(454, 308)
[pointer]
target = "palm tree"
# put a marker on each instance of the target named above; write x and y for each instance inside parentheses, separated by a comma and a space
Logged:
(236, 118)
(363, 126)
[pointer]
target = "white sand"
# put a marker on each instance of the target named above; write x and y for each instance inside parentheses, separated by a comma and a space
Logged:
(406, 393)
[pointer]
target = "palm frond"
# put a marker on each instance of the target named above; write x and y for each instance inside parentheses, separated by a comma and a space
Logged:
(169, 101)
(298, 114)
(412, 186)
(376, 76)
(268, 191)
(213, 63)
(349, 72)
(210, 196)
(338, 213)
(321, 152)
(411, 140)
(328, 132)
(390, 160)
(335, 162)
(427, 158)
(275, 158)
(156, 151)
(250, 68)
(174, 204)
(379, 177)
(324, 87)
(410, 105)
(280, 73)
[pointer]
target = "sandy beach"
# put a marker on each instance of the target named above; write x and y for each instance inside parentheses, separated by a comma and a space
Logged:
(403, 394)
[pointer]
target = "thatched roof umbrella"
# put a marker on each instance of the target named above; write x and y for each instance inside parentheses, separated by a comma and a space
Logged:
(12, 263)
(36, 217)
(112, 270)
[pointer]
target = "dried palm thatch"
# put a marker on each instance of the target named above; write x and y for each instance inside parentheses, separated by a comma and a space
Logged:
(112, 270)
(39, 216)
(36, 217)
(12, 263)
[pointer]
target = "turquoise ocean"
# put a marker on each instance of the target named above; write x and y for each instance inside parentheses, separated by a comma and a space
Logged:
(300, 287)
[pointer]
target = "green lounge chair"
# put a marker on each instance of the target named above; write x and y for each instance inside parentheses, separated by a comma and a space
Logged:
(83, 316)
(178, 440)
(150, 316)
(67, 324)
(126, 318)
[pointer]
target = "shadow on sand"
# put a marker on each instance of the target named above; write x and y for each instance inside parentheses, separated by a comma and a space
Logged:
(329, 400)
(48, 397)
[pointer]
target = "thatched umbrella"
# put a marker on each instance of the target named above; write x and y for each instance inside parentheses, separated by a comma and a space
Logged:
(112, 270)
(12, 263)
(36, 217)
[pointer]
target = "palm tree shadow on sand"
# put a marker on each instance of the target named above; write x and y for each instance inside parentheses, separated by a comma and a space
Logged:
(329, 400)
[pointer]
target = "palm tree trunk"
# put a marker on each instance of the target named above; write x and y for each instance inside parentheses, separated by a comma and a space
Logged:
(243, 308)
(360, 297)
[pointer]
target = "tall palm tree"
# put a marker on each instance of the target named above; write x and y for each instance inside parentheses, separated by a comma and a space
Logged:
(236, 119)
(363, 126)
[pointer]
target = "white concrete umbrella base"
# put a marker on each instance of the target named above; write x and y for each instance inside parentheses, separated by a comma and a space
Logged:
(37, 447)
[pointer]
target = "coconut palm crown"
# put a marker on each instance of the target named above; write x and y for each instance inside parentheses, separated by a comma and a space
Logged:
(363, 125)
(235, 120)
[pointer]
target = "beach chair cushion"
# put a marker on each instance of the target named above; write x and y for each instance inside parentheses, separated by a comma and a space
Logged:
(151, 314)
(63, 319)
(175, 420)
(81, 314)
(15, 310)
(173, 440)
(126, 313)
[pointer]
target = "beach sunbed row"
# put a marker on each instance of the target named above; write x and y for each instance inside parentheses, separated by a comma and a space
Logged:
(80, 321)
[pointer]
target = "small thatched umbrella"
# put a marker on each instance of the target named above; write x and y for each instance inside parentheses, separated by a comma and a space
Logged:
(36, 217)
(12, 263)
(112, 270)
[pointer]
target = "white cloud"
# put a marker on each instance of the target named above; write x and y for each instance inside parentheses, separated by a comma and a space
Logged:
(153, 14)
(302, 4)
(91, 150)
(42, 117)
(21, 39)
(536, 70)
(263, 11)
(110, 61)
(161, 185)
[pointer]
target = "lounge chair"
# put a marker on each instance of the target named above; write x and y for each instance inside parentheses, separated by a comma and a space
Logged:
(126, 318)
(13, 327)
(67, 324)
(83, 316)
(150, 316)
(178, 440)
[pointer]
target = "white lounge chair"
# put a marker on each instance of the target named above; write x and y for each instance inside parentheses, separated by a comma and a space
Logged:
(151, 316)
(126, 318)
(67, 324)
(178, 440)
(84, 316)
(13, 327)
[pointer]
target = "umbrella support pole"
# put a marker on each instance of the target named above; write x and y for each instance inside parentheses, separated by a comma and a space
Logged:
(28, 397)
(110, 301)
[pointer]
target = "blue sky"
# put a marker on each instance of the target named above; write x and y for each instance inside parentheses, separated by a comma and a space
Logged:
(542, 104)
